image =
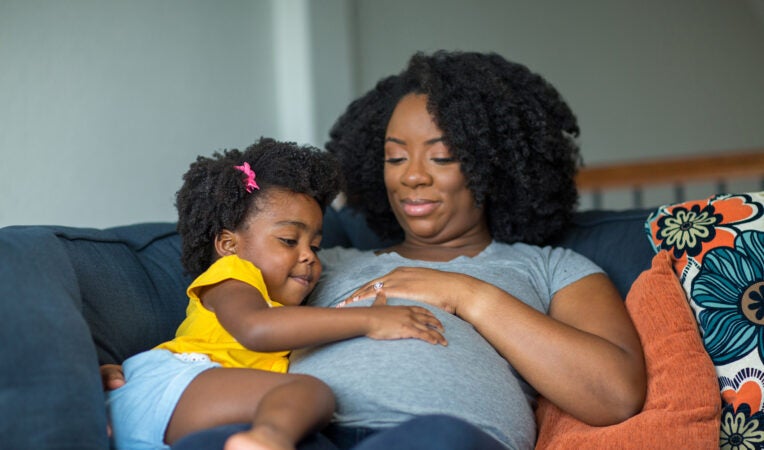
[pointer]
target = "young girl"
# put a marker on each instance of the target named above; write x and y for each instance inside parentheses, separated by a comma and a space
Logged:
(250, 226)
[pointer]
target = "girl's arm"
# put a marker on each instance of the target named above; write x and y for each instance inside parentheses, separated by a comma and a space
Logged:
(585, 356)
(243, 312)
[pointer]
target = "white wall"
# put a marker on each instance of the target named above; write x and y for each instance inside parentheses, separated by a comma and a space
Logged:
(294, 74)
(646, 78)
(333, 49)
(103, 104)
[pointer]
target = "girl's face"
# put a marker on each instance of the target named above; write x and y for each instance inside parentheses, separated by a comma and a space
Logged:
(281, 237)
(425, 186)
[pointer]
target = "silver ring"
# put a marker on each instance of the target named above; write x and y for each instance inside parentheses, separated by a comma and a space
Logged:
(378, 285)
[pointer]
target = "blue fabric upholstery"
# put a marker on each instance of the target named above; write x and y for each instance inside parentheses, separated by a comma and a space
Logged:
(132, 285)
(615, 240)
(49, 384)
(347, 228)
(72, 298)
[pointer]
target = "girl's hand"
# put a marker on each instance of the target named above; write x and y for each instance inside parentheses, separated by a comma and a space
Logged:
(111, 376)
(448, 291)
(403, 322)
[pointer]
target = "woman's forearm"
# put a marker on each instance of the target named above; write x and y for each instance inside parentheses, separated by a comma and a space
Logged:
(569, 355)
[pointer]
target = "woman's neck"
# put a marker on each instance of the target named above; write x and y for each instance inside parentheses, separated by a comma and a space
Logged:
(426, 251)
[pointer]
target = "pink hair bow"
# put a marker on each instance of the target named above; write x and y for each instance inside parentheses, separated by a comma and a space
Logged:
(250, 182)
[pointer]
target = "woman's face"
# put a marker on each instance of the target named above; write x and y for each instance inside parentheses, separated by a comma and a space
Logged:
(425, 186)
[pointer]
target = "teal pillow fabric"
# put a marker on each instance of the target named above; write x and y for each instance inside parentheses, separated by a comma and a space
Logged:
(717, 248)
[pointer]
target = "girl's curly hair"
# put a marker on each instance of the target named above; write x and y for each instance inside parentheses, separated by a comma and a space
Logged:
(214, 198)
(510, 129)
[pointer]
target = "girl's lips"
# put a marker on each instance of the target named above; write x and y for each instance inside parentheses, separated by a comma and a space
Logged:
(419, 208)
(302, 280)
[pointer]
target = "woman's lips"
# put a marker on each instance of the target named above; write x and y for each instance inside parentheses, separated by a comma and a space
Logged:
(417, 208)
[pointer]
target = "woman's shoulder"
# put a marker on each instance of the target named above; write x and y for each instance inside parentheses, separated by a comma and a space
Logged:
(521, 250)
(516, 249)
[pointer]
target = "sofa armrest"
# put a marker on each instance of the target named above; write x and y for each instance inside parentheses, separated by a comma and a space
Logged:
(50, 390)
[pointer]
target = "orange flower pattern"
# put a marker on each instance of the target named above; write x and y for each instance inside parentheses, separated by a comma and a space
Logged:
(688, 230)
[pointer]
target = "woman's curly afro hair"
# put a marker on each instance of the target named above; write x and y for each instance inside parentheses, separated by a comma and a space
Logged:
(214, 198)
(510, 129)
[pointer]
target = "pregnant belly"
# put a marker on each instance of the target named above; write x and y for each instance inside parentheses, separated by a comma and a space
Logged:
(381, 383)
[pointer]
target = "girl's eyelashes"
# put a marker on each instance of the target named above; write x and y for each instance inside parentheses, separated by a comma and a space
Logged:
(293, 243)
(289, 242)
(394, 160)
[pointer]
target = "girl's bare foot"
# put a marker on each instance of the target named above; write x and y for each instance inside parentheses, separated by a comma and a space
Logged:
(260, 438)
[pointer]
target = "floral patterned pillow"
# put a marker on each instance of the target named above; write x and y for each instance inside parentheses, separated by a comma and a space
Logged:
(717, 250)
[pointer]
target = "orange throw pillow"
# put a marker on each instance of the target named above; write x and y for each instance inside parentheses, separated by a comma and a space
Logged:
(683, 405)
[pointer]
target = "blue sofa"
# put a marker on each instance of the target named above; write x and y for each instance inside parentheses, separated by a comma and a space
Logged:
(74, 298)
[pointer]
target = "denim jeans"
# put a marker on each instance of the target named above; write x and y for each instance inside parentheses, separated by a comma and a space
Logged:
(214, 438)
(433, 432)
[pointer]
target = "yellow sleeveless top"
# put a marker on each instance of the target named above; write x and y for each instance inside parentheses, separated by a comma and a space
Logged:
(201, 331)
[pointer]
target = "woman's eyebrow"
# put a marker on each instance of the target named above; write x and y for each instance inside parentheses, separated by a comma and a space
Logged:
(395, 140)
(432, 141)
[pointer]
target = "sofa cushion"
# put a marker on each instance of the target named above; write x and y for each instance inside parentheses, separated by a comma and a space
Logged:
(132, 285)
(717, 249)
(345, 227)
(681, 408)
(606, 237)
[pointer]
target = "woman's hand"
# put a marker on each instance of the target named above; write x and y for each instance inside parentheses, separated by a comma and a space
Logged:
(449, 291)
(112, 376)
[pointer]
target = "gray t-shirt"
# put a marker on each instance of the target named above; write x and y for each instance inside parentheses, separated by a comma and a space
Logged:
(379, 384)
